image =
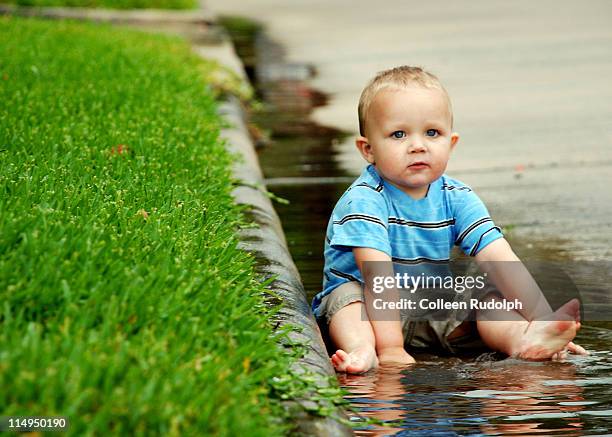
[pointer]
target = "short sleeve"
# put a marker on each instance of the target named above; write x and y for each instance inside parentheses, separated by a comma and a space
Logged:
(360, 219)
(474, 227)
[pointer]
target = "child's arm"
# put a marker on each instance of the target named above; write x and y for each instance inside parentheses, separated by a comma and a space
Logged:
(388, 333)
(517, 282)
(511, 277)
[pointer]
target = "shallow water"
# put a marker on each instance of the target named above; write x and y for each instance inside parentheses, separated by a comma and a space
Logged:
(437, 396)
(452, 396)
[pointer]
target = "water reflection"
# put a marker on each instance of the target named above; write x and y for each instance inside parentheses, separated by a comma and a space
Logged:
(508, 397)
(520, 402)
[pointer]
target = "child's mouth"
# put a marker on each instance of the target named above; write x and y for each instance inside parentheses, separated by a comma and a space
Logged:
(418, 166)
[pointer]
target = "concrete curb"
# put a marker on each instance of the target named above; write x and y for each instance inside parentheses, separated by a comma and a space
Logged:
(267, 241)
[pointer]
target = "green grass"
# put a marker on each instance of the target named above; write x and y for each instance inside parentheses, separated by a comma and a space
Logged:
(109, 4)
(124, 302)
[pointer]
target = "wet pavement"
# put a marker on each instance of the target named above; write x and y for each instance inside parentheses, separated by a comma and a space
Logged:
(551, 199)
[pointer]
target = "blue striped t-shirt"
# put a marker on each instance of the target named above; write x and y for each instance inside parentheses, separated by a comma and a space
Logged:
(375, 214)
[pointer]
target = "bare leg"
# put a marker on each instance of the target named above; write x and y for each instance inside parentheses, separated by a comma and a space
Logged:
(510, 333)
(355, 339)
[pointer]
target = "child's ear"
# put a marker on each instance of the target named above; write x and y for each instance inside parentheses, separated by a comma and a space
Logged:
(364, 148)
(454, 140)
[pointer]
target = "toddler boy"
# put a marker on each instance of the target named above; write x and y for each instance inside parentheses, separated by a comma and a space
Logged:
(404, 209)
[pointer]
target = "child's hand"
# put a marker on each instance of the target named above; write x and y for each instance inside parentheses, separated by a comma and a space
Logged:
(576, 349)
(395, 355)
(571, 347)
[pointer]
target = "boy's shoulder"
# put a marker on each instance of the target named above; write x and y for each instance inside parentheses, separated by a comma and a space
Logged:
(366, 190)
(455, 191)
(452, 185)
(367, 180)
(368, 185)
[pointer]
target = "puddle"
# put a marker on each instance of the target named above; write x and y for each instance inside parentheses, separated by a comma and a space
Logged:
(445, 396)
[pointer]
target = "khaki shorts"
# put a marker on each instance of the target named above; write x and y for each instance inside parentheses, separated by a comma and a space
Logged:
(426, 334)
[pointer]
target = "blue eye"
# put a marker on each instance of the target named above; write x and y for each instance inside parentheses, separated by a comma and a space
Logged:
(432, 132)
(399, 134)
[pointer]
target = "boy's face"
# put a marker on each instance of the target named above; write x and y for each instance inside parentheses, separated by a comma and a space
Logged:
(409, 137)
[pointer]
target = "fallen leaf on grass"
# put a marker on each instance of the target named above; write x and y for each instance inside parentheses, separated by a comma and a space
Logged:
(120, 149)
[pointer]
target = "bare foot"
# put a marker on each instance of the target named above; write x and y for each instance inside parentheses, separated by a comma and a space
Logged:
(359, 360)
(546, 339)
(395, 356)
(570, 309)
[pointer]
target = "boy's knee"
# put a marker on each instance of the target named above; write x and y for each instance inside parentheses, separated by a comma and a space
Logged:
(344, 295)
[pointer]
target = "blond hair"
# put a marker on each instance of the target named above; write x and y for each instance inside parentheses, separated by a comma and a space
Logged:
(398, 77)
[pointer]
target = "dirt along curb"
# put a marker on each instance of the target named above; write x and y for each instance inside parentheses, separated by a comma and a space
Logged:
(267, 241)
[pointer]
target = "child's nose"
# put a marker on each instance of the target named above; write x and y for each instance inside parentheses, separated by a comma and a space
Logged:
(416, 145)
